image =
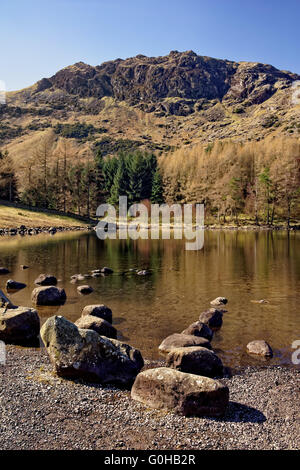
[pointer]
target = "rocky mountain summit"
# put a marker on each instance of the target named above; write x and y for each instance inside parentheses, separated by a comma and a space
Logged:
(190, 78)
(154, 102)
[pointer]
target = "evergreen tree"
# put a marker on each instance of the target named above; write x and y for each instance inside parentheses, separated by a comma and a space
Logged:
(120, 183)
(157, 189)
(136, 169)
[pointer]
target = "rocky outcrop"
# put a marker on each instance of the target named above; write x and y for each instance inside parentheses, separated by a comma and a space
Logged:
(179, 340)
(48, 296)
(185, 394)
(19, 325)
(80, 353)
(260, 348)
(46, 280)
(195, 360)
(183, 75)
(101, 326)
(100, 311)
(199, 328)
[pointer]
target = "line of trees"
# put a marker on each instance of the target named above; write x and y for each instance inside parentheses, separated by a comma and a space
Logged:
(236, 181)
(257, 180)
(58, 177)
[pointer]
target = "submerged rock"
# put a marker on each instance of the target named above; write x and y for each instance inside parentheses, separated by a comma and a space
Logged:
(260, 348)
(195, 360)
(179, 340)
(77, 352)
(101, 326)
(48, 296)
(199, 328)
(100, 311)
(19, 325)
(46, 280)
(185, 394)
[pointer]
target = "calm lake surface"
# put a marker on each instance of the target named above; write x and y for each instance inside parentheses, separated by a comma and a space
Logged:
(242, 266)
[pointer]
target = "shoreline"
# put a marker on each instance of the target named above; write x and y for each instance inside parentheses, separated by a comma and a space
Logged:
(42, 411)
(14, 231)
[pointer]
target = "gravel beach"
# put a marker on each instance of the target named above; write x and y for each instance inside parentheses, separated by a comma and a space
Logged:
(41, 411)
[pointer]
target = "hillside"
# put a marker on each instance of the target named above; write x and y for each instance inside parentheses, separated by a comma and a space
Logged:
(157, 103)
(15, 217)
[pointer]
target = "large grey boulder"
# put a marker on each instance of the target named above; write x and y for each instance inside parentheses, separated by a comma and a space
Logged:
(19, 325)
(100, 311)
(195, 360)
(48, 296)
(260, 348)
(199, 328)
(101, 326)
(76, 352)
(178, 340)
(213, 318)
(46, 280)
(185, 394)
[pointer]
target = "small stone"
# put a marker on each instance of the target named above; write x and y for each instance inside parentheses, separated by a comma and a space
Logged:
(219, 301)
(48, 296)
(14, 285)
(4, 270)
(199, 328)
(195, 360)
(100, 311)
(106, 270)
(260, 348)
(212, 318)
(85, 290)
(46, 280)
(178, 340)
(101, 326)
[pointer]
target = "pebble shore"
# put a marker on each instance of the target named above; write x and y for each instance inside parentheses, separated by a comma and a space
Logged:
(41, 411)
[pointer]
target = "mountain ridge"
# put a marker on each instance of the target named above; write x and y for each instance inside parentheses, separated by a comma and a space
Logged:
(155, 103)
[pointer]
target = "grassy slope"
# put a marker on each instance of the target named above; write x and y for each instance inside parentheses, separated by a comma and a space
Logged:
(14, 217)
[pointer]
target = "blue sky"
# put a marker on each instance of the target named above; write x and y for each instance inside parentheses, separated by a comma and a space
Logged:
(39, 37)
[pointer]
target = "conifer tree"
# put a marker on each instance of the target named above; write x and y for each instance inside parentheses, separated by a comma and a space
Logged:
(157, 189)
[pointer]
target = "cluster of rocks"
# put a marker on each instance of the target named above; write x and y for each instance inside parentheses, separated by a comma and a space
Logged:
(88, 349)
(187, 385)
(23, 230)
